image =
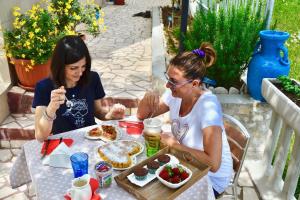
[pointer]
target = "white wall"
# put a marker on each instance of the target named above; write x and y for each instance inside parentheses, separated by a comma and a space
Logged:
(6, 19)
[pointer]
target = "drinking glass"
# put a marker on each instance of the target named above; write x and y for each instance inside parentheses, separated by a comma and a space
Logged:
(152, 131)
(80, 164)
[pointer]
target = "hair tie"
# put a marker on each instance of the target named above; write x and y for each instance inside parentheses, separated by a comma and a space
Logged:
(199, 53)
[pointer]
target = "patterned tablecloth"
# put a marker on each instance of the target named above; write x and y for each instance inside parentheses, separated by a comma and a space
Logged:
(52, 183)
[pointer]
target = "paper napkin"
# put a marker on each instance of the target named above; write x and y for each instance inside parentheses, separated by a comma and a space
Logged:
(60, 157)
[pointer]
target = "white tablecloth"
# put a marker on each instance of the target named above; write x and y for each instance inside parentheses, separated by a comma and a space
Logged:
(52, 183)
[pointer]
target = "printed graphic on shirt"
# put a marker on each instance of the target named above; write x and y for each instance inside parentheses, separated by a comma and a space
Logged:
(178, 131)
(77, 111)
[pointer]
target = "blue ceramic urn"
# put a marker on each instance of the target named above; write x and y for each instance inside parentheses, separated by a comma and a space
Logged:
(267, 60)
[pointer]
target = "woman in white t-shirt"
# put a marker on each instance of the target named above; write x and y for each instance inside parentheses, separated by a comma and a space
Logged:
(196, 114)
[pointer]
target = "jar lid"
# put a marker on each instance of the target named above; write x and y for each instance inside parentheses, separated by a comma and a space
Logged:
(103, 166)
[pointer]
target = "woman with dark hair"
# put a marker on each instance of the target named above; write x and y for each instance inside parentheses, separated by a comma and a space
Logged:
(71, 97)
(196, 114)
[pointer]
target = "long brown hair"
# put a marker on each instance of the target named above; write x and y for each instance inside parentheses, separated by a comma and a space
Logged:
(70, 49)
(193, 65)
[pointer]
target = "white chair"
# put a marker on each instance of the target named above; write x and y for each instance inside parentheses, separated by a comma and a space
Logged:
(238, 139)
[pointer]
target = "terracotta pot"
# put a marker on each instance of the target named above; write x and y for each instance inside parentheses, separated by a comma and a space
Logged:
(119, 2)
(28, 80)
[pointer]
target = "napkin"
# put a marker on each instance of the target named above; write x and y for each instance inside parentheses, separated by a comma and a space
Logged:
(53, 143)
(60, 157)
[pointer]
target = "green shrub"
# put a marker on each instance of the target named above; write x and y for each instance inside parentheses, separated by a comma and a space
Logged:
(233, 31)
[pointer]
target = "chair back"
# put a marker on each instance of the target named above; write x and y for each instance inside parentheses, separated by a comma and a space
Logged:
(238, 139)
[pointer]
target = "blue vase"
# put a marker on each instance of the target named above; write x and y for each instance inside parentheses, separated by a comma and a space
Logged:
(267, 60)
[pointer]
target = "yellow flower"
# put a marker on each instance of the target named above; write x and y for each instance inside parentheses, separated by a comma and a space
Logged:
(37, 30)
(9, 55)
(16, 14)
(50, 9)
(27, 43)
(32, 62)
(31, 35)
(23, 55)
(22, 23)
(68, 6)
(77, 17)
(34, 25)
(100, 21)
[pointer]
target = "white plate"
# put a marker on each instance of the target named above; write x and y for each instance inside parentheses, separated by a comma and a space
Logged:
(119, 135)
(173, 159)
(133, 157)
(141, 183)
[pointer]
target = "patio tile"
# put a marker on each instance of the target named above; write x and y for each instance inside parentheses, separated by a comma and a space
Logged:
(249, 194)
(6, 191)
(5, 155)
(8, 120)
(244, 179)
(18, 196)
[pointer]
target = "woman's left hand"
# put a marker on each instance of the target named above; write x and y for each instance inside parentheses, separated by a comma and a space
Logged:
(117, 111)
(168, 139)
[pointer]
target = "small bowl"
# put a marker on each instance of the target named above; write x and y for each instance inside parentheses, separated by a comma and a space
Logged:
(173, 185)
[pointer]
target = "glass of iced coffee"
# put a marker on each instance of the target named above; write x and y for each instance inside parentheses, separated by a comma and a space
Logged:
(152, 131)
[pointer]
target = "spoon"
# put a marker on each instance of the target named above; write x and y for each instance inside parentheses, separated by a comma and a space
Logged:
(69, 103)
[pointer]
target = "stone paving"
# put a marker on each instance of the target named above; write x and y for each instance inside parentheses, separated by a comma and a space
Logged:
(122, 56)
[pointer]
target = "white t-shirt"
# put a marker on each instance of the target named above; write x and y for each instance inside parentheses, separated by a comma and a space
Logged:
(206, 112)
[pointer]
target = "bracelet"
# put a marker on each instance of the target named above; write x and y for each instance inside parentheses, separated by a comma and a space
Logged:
(47, 117)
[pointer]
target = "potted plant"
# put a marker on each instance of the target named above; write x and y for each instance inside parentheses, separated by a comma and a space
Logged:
(30, 43)
(283, 94)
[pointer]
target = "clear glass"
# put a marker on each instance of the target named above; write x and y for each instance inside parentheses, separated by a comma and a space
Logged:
(152, 131)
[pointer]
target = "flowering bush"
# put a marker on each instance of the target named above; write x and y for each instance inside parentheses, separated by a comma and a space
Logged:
(33, 36)
(36, 32)
(70, 13)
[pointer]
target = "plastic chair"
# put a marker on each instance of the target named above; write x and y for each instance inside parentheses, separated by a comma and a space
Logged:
(238, 139)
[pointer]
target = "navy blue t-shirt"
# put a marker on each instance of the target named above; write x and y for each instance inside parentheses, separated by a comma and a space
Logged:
(81, 114)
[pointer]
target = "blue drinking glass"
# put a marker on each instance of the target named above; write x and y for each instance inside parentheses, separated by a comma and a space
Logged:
(80, 164)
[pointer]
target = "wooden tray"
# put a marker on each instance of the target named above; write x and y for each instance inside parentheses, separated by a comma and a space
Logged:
(155, 189)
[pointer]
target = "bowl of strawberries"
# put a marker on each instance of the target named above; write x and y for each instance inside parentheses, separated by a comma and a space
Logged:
(173, 175)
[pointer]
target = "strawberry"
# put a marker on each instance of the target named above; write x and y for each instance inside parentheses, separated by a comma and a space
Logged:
(184, 175)
(175, 179)
(164, 175)
(176, 171)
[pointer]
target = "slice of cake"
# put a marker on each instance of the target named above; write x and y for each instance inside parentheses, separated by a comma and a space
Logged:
(95, 132)
(109, 132)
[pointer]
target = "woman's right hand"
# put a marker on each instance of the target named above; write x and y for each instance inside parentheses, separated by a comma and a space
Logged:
(151, 99)
(57, 98)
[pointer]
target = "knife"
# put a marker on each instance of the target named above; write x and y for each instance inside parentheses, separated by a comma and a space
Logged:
(46, 148)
